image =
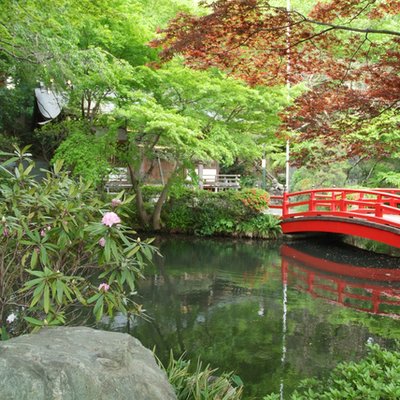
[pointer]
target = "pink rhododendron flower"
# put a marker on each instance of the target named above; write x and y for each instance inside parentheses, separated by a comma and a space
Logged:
(104, 287)
(110, 218)
(102, 242)
(115, 202)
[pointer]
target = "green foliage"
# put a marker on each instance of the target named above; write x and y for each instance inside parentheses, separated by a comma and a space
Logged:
(85, 154)
(388, 178)
(330, 175)
(151, 192)
(7, 143)
(204, 213)
(201, 383)
(379, 135)
(91, 45)
(233, 213)
(264, 226)
(374, 377)
(225, 114)
(58, 241)
(88, 52)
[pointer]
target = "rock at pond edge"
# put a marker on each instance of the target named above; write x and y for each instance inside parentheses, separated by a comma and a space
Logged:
(79, 363)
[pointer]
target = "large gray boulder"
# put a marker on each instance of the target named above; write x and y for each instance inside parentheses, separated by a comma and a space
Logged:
(80, 364)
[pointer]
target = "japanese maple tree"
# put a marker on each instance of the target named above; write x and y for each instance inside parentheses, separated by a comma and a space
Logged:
(347, 52)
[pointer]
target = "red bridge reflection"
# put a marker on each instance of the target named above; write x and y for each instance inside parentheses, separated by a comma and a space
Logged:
(373, 290)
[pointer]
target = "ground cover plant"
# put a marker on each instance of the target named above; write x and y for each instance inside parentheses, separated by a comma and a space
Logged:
(374, 377)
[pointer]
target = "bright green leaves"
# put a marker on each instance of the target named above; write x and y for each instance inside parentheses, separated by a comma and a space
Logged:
(201, 382)
(374, 377)
(51, 289)
(50, 292)
(228, 114)
(85, 154)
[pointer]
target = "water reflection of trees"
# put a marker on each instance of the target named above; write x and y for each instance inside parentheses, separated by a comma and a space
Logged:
(222, 301)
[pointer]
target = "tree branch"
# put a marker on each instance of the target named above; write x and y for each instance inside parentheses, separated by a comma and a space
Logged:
(349, 28)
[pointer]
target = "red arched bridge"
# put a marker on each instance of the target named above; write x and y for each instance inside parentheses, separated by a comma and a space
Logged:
(371, 214)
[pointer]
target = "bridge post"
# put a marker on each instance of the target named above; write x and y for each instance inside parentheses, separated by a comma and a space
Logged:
(378, 210)
(285, 204)
(343, 205)
(340, 290)
(312, 201)
(378, 206)
(375, 301)
(333, 201)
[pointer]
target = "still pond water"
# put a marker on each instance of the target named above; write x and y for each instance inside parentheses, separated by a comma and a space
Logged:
(273, 313)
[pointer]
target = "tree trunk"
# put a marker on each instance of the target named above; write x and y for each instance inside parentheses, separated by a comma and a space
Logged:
(156, 217)
(144, 218)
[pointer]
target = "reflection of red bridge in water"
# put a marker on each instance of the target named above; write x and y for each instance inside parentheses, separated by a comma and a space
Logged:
(361, 288)
(372, 214)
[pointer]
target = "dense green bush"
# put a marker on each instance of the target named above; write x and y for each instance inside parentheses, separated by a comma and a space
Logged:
(233, 213)
(61, 249)
(151, 192)
(375, 377)
(84, 153)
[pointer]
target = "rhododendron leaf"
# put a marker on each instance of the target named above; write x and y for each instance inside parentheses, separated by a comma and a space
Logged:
(98, 308)
(46, 299)
(60, 291)
(34, 258)
(34, 321)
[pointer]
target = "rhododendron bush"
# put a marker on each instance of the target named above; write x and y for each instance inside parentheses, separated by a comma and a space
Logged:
(62, 248)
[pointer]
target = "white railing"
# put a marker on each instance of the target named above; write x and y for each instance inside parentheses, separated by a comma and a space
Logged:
(220, 182)
(118, 180)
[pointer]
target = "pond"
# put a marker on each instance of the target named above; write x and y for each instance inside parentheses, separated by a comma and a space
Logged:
(273, 313)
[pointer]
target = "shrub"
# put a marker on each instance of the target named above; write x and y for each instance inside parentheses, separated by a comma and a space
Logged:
(83, 153)
(255, 199)
(150, 192)
(61, 247)
(205, 213)
(224, 213)
(375, 377)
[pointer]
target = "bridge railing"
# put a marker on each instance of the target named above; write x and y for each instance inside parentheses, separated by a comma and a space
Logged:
(372, 205)
(221, 182)
(369, 294)
(276, 201)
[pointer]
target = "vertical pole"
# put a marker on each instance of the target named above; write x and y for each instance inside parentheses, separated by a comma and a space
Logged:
(285, 267)
(264, 169)
(285, 209)
(200, 174)
(287, 183)
(288, 70)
